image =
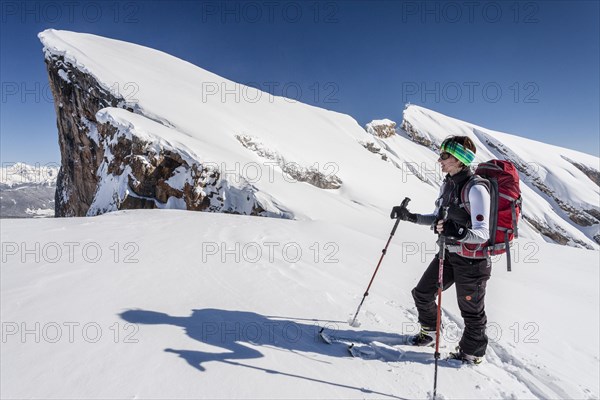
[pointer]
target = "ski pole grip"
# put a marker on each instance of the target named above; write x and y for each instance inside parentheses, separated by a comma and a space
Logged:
(404, 202)
(444, 214)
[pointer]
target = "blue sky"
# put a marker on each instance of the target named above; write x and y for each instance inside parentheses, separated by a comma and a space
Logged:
(529, 68)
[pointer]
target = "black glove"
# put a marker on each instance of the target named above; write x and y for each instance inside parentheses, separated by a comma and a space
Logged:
(454, 230)
(403, 214)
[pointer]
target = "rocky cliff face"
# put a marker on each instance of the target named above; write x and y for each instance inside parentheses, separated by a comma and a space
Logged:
(104, 167)
(77, 98)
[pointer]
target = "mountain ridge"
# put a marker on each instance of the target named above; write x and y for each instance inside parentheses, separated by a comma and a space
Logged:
(318, 162)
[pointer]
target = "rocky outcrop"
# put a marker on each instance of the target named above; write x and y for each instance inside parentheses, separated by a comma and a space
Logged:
(415, 135)
(293, 171)
(545, 230)
(373, 148)
(381, 128)
(407, 168)
(556, 233)
(106, 167)
(591, 173)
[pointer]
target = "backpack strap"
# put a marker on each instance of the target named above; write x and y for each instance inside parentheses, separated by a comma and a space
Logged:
(514, 203)
(492, 187)
(507, 247)
(464, 193)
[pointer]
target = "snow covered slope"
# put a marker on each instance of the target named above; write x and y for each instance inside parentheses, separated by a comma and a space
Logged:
(226, 147)
(561, 192)
(281, 150)
(175, 304)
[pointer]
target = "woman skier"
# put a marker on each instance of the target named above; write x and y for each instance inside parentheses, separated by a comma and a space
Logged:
(471, 273)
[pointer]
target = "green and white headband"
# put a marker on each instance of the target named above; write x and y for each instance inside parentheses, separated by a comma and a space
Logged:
(460, 152)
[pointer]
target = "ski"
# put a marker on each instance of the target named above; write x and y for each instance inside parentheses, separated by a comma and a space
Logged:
(368, 350)
(376, 348)
(325, 336)
(362, 351)
(331, 340)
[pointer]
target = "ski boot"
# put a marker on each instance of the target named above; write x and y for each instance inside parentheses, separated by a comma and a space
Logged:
(425, 337)
(460, 355)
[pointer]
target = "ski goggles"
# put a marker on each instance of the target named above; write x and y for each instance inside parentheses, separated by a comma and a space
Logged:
(457, 150)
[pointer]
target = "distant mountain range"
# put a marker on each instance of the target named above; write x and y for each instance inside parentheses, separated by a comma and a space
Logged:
(27, 191)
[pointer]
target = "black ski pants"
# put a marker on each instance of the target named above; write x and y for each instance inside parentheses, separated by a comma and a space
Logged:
(470, 277)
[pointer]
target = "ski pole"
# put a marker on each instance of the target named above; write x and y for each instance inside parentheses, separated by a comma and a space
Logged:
(438, 323)
(404, 204)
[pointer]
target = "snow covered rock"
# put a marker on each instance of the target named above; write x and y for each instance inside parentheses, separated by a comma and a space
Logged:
(107, 166)
(295, 171)
(383, 128)
(109, 163)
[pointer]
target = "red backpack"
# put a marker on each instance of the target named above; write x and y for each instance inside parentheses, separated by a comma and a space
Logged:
(502, 180)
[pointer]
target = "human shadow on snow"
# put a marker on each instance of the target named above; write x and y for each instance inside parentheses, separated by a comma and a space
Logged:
(240, 333)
